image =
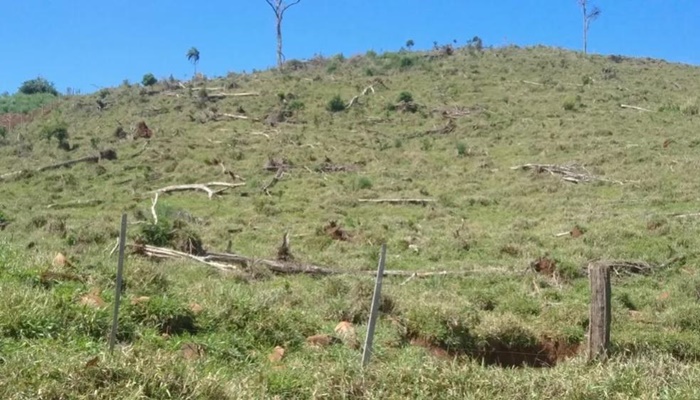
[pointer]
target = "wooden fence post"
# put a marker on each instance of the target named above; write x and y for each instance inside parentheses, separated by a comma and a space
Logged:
(374, 312)
(600, 313)
(117, 296)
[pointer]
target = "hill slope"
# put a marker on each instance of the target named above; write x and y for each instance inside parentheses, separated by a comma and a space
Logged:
(443, 126)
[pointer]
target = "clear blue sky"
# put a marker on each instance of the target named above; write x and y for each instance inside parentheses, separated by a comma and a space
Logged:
(83, 43)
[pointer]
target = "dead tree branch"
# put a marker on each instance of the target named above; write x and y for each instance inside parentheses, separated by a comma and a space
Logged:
(354, 100)
(103, 155)
(76, 203)
(635, 107)
(228, 262)
(398, 201)
(273, 182)
(205, 187)
(571, 173)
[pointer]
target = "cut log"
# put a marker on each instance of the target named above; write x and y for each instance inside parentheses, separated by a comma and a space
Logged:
(235, 262)
(398, 201)
(635, 107)
(103, 155)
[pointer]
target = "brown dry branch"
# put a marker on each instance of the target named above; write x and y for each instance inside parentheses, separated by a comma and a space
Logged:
(448, 128)
(275, 165)
(354, 100)
(690, 215)
(233, 116)
(224, 95)
(230, 262)
(76, 203)
(623, 267)
(457, 111)
(635, 107)
(283, 252)
(273, 181)
(571, 173)
(328, 166)
(398, 201)
(205, 187)
(103, 155)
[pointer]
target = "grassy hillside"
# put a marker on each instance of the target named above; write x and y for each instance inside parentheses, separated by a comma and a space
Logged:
(446, 126)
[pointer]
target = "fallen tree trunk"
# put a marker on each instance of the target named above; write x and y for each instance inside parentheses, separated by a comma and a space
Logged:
(635, 107)
(235, 262)
(397, 201)
(103, 155)
(76, 203)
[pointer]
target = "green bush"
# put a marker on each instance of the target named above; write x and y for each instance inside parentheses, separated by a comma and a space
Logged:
(405, 97)
(3, 132)
(149, 80)
(406, 62)
(296, 105)
(364, 183)
(336, 104)
(461, 149)
(24, 103)
(56, 130)
(38, 85)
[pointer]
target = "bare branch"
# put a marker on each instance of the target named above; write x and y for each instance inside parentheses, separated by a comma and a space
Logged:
(289, 5)
(199, 186)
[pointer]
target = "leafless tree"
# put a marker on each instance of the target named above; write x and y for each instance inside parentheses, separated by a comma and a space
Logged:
(588, 17)
(279, 7)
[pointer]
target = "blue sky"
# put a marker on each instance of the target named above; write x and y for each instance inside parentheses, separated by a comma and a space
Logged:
(86, 44)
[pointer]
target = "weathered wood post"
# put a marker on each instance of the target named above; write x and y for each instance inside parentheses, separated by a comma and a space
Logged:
(374, 311)
(117, 295)
(600, 313)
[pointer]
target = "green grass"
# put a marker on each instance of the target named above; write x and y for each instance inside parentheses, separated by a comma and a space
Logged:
(510, 106)
(24, 103)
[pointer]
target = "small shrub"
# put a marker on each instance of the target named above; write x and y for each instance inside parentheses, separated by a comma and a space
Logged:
(364, 183)
(336, 104)
(461, 149)
(332, 67)
(371, 54)
(690, 108)
(442, 326)
(476, 44)
(3, 132)
(406, 62)
(56, 130)
(369, 71)
(38, 85)
(405, 97)
(569, 105)
(296, 105)
(586, 80)
(149, 80)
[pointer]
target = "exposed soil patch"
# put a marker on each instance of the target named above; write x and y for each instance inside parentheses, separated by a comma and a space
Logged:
(336, 232)
(178, 324)
(545, 266)
(546, 353)
(143, 131)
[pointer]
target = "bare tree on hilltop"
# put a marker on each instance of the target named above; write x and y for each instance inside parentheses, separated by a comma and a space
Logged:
(279, 7)
(588, 17)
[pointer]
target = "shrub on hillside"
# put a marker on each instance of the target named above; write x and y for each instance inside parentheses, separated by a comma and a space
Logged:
(336, 104)
(405, 97)
(149, 80)
(56, 130)
(38, 85)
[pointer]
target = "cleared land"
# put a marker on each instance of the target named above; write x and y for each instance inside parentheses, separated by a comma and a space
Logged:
(531, 167)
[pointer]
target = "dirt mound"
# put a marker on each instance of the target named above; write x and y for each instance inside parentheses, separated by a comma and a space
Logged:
(547, 353)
